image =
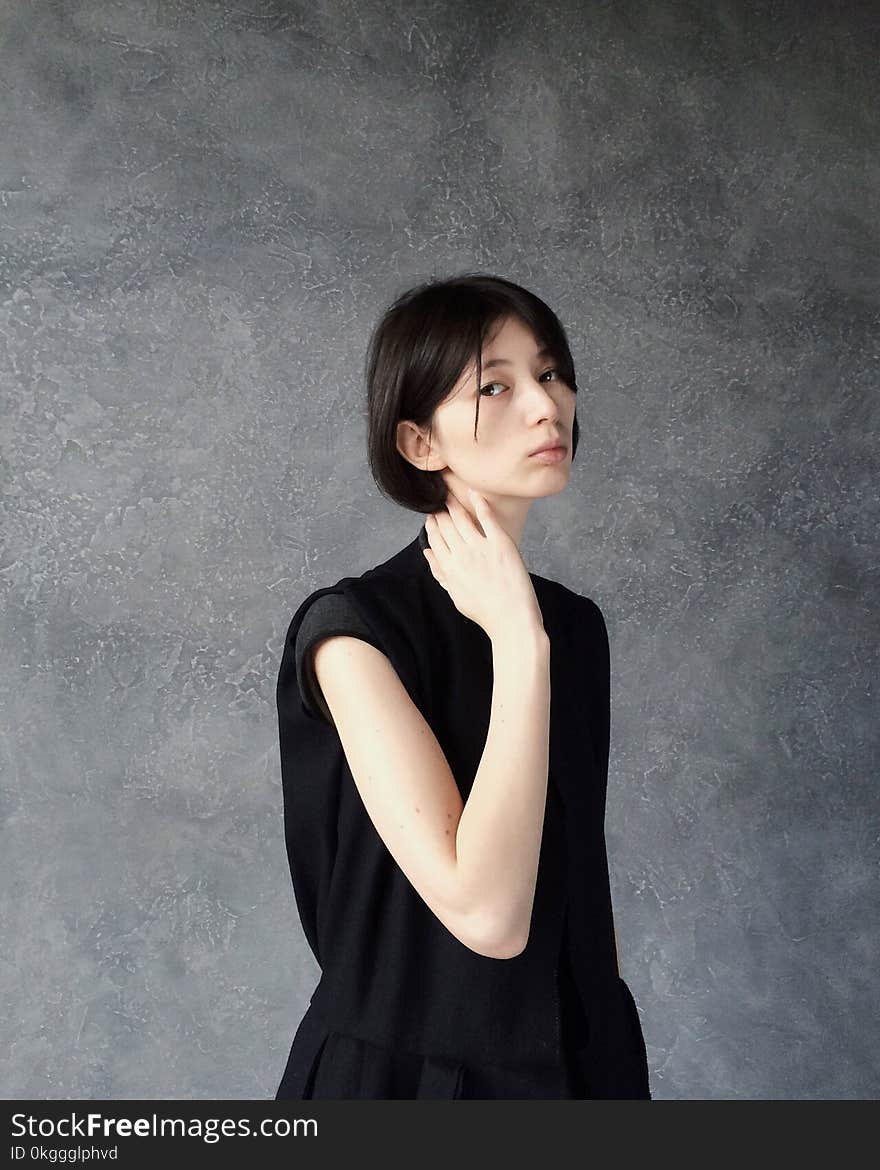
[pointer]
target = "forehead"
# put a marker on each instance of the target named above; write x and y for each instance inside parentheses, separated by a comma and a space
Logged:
(510, 340)
(510, 334)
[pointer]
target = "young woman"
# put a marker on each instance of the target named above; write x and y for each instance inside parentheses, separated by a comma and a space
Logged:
(444, 727)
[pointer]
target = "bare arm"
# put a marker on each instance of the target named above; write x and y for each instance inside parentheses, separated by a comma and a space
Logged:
(499, 833)
(474, 865)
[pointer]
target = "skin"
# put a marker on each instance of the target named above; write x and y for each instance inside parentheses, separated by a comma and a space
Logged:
(527, 405)
(480, 883)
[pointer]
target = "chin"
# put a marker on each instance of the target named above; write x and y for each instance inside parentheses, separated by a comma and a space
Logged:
(560, 487)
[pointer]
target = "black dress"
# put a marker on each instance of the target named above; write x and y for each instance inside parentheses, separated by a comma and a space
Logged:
(332, 1063)
(348, 1067)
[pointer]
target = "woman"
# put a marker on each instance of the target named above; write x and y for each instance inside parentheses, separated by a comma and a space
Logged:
(444, 819)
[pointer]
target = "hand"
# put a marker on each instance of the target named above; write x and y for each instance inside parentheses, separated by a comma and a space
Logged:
(482, 571)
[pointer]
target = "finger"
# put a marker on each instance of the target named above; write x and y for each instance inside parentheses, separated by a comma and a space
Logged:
(485, 515)
(435, 533)
(432, 565)
(461, 518)
(446, 527)
(489, 525)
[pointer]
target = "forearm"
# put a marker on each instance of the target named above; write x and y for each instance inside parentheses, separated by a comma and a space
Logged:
(498, 840)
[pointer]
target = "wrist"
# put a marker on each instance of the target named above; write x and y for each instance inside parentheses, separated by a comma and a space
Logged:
(522, 637)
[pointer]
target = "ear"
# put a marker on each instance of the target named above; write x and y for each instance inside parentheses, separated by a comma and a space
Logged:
(417, 448)
(413, 444)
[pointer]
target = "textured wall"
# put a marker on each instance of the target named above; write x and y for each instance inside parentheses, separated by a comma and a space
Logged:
(204, 207)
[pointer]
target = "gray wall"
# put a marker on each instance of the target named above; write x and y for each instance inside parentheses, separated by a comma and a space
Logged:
(204, 208)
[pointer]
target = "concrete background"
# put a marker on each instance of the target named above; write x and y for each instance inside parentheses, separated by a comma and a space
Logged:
(204, 209)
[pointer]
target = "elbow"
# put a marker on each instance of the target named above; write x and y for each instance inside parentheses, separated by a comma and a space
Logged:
(492, 931)
(499, 941)
(508, 946)
(510, 951)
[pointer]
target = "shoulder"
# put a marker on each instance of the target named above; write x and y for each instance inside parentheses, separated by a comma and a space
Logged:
(327, 614)
(330, 613)
(577, 613)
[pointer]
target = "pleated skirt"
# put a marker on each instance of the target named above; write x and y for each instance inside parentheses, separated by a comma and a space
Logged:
(332, 1066)
(325, 1064)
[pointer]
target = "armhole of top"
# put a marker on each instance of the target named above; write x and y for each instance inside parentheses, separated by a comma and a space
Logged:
(328, 615)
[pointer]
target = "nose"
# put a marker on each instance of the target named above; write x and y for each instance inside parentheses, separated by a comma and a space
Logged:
(544, 405)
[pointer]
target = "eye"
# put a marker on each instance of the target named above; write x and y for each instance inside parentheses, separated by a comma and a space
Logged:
(492, 385)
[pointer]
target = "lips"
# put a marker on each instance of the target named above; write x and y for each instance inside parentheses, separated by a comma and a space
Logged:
(556, 446)
(550, 456)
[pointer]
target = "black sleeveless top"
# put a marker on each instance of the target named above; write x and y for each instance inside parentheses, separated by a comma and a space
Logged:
(392, 974)
(334, 614)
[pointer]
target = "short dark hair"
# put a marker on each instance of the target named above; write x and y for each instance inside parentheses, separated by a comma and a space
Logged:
(417, 353)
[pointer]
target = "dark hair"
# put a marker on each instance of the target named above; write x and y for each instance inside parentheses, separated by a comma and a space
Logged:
(417, 353)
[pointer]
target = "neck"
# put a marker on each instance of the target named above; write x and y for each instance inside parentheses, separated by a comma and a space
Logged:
(510, 512)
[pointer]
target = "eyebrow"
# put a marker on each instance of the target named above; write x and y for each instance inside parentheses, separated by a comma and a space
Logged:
(542, 353)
